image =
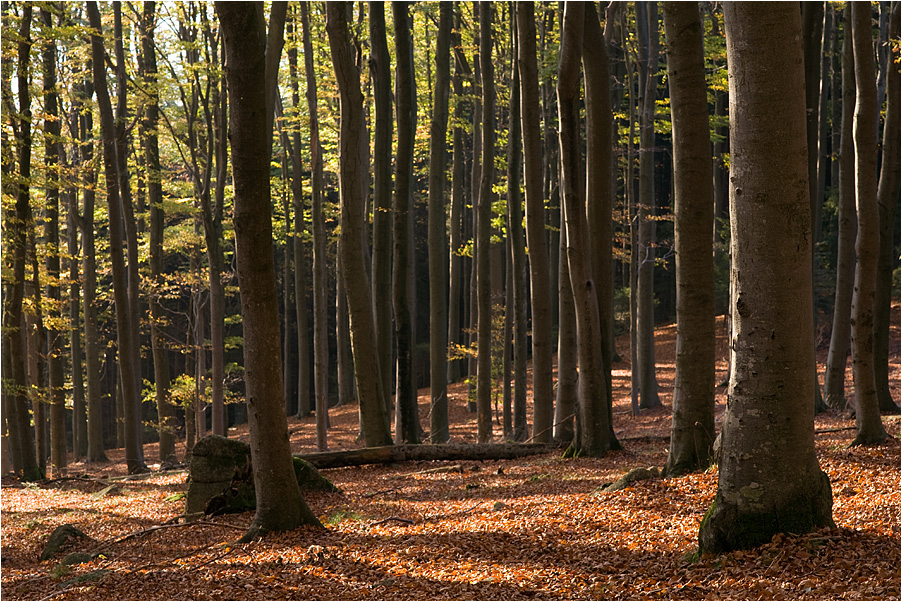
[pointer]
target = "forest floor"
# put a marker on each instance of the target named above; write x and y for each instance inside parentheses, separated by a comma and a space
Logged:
(530, 528)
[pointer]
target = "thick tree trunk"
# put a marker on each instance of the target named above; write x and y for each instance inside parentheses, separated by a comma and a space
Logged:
(769, 479)
(565, 407)
(320, 261)
(887, 201)
(840, 340)
(867, 245)
(483, 234)
(403, 283)
(536, 238)
(52, 154)
(438, 246)
(353, 187)
(692, 431)
(280, 505)
(125, 330)
(647, 23)
(380, 73)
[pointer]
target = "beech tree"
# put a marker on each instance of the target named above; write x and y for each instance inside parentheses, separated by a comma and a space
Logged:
(769, 480)
(280, 506)
(692, 434)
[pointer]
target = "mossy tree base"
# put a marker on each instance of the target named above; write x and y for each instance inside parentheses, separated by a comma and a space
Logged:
(729, 525)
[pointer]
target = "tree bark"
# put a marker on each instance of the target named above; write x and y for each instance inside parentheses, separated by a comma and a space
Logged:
(769, 479)
(353, 186)
(647, 23)
(280, 505)
(887, 200)
(380, 73)
(867, 244)
(692, 431)
(438, 246)
(840, 339)
(125, 330)
(403, 283)
(483, 233)
(52, 154)
(536, 238)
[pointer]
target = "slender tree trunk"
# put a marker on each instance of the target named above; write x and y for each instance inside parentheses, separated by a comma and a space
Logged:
(887, 201)
(536, 238)
(867, 245)
(52, 154)
(345, 358)
(380, 74)
(840, 340)
(353, 186)
(455, 293)
(280, 505)
(125, 331)
(647, 23)
(483, 234)
(692, 431)
(320, 261)
(403, 283)
(769, 479)
(438, 246)
(823, 134)
(565, 408)
(475, 186)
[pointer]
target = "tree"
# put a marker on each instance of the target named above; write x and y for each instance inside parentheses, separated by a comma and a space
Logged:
(353, 185)
(280, 505)
(769, 479)
(594, 426)
(539, 267)
(125, 329)
(483, 230)
(380, 73)
(438, 248)
(837, 358)
(52, 154)
(692, 435)
(867, 244)
(647, 24)
(887, 199)
(403, 282)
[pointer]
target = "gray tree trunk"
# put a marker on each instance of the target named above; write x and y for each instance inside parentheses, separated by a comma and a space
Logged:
(536, 237)
(867, 244)
(280, 505)
(692, 430)
(840, 340)
(438, 246)
(769, 479)
(353, 187)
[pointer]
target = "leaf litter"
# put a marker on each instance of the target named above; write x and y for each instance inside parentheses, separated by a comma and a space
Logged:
(521, 529)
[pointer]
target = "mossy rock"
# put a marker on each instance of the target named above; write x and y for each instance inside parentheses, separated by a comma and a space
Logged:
(636, 474)
(310, 479)
(63, 537)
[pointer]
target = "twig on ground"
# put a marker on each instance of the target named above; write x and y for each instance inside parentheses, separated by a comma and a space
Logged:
(406, 521)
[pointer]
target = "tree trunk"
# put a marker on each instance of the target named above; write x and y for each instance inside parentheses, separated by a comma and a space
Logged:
(455, 293)
(594, 426)
(21, 435)
(438, 246)
(647, 23)
(483, 233)
(403, 284)
(867, 245)
(280, 505)
(536, 238)
(565, 408)
(320, 261)
(475, 187)
(380, 73)
(353, 187)
(125, 327)
(692, 431)
(52, 154)
(837, 358)
(769, 478)
(887, 200)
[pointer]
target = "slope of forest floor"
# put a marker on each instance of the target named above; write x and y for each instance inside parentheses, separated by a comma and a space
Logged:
(530, 528)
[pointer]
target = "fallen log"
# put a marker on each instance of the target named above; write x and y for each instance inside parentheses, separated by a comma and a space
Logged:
(424, 453)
